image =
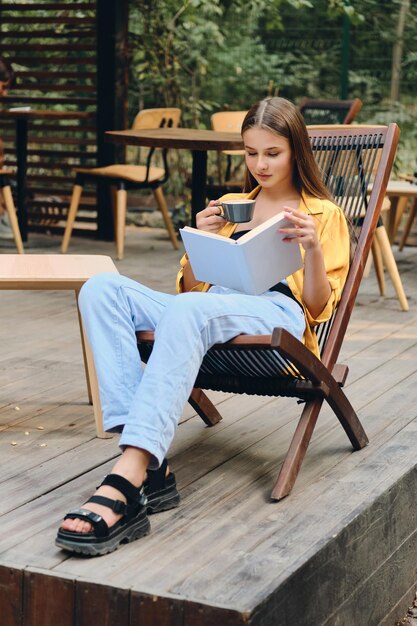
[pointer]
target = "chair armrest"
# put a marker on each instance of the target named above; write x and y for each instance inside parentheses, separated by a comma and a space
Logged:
(306, 362)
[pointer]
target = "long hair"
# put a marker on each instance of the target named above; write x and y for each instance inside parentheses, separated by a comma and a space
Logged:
(282, 118)
(6, 71)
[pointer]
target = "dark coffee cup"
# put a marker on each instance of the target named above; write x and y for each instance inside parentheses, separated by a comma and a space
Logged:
(237, 210)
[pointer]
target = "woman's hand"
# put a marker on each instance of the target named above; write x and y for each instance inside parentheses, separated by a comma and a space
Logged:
(302, 231)
(316, 288)
(209, 218)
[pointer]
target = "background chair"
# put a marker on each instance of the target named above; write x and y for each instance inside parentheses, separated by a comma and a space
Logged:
(329, 111)
(227, 122)
(11, 210)
(279, 364)
(123, 177)
(411, 215)
(382, 254)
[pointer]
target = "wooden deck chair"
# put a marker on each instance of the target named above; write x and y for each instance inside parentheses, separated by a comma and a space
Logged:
(280, 365)
(329, 111)
(123, 177)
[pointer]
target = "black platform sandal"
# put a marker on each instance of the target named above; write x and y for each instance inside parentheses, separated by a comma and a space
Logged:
(102, 539)
(160, 490)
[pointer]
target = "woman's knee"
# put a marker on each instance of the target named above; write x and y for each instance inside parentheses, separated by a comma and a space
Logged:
(186, 307)
(97, 289)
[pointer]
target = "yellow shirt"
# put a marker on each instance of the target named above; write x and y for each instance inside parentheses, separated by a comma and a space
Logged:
(333, 234)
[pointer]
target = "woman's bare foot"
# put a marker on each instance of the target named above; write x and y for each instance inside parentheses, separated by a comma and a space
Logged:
(131, 465)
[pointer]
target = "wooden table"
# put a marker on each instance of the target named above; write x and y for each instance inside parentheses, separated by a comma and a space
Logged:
(22, 118)
(56, 272)
(198, 141)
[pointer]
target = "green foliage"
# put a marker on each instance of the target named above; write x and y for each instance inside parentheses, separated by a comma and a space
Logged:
(209, 55)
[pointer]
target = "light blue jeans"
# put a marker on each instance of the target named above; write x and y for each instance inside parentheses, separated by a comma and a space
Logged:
(146, 404)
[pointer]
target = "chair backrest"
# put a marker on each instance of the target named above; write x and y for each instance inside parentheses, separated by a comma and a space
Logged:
(228, 122)
(164, 117)
(355, 163)
(329, 111)
(157, 118)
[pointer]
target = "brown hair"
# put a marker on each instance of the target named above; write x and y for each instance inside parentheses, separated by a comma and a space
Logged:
(282, 118)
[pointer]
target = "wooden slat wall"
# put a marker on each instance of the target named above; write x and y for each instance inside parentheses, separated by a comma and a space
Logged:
(52, 46)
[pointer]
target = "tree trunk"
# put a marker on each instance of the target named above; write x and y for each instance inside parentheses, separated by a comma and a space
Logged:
(397, 51)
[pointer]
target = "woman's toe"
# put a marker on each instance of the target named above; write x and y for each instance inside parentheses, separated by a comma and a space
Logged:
(76, 526)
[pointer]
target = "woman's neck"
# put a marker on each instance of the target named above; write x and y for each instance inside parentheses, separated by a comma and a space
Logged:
(279, 196)
(269, 203)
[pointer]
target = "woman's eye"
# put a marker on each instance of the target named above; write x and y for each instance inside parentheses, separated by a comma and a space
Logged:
(251, 153)
(273, 154)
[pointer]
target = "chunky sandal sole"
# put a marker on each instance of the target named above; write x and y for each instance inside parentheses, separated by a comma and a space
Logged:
(97, 548)
(162, 501)
(161, 490)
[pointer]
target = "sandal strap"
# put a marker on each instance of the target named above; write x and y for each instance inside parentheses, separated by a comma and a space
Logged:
(156, 478)
(99, 524)
(133, 495)
(115, 505)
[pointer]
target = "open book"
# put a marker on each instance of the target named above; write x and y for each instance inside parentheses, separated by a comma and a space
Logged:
(251, 264)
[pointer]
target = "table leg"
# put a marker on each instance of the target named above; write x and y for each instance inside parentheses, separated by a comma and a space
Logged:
(199, 184)
(21, 153)
(91, 376)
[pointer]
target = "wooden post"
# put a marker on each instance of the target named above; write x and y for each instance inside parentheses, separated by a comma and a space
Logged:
(112, 84)
(397, 51)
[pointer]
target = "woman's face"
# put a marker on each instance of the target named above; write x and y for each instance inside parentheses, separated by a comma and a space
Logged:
(269, 158)
(4, 87)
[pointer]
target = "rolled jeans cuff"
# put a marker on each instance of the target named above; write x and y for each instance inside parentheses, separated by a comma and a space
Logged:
(140, 439)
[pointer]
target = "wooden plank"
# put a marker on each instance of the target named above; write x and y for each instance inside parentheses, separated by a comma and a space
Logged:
(48, 600)
(205, 615)
(42, 19)
(11, 596)
(154, 610)
(101, 604)
(50, 6)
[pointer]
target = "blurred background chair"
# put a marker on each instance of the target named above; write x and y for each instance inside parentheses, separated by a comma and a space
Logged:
(232, 178)
(10, 208)
(329, 111)
(412, 214)
(124, 176)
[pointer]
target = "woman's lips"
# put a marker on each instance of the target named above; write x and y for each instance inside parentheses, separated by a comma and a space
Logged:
(263, 176)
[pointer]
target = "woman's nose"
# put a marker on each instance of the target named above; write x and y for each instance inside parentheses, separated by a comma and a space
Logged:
(262, 163)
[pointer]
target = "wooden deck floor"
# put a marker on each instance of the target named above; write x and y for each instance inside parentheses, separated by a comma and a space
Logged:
(339, 551)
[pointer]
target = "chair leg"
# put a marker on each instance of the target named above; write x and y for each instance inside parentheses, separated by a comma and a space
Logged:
(398, 205)
(390, 264)
(379, 266)
(299, 444)
(297, 450)
(121, 209)
(411, 217)
(91, 376)
(401, 207)
(113, 196)
(72, 214)
(162, 205)
(9, 204)
(204, 407)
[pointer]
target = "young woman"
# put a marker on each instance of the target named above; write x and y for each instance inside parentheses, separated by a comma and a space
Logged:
(145, 406)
